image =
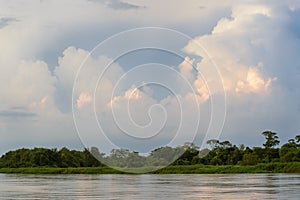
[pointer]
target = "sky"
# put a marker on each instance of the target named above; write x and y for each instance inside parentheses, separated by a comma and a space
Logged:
(143, 74)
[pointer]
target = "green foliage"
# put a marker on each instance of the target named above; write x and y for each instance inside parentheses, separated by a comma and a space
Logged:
(289, 152)
(212, 143)
(271, 139)
(291, 167)
(42, 157)
(164, 155)
(297, 138)
(250, 159)
(222, 153)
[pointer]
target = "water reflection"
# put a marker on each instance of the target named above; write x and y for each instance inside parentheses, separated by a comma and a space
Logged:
(233, 186)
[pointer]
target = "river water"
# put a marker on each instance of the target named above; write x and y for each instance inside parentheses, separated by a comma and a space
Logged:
(231, 186)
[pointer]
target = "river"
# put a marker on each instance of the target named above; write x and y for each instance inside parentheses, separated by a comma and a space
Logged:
(210, 186)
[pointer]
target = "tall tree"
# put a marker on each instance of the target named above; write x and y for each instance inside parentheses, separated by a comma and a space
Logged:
(271, 142)
(271, 139)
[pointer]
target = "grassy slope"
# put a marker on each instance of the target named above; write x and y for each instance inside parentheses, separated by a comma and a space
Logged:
(293, 167)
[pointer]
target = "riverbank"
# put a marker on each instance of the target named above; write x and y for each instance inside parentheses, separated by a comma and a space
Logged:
(292, 167)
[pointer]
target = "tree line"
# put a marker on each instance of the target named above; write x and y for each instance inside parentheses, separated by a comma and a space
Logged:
(219, 153)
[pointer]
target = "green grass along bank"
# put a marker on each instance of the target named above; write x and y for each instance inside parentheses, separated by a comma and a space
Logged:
(291, 167)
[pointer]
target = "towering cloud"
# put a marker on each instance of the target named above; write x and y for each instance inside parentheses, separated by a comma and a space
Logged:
(253, 46)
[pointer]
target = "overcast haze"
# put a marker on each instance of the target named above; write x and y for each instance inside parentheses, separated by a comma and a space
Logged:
(254, 44)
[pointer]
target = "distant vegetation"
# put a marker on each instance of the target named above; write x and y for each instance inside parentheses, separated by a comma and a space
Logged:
(276, 167)
(187, 158)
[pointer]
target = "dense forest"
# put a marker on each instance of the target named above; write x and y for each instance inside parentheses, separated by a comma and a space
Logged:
(219, 153)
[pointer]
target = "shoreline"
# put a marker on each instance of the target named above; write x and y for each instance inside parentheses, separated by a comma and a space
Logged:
(291, 167)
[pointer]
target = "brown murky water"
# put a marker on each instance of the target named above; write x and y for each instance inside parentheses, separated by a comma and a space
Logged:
(232, 186)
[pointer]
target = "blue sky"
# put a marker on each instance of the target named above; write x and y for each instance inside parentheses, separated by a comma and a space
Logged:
(235, 59)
